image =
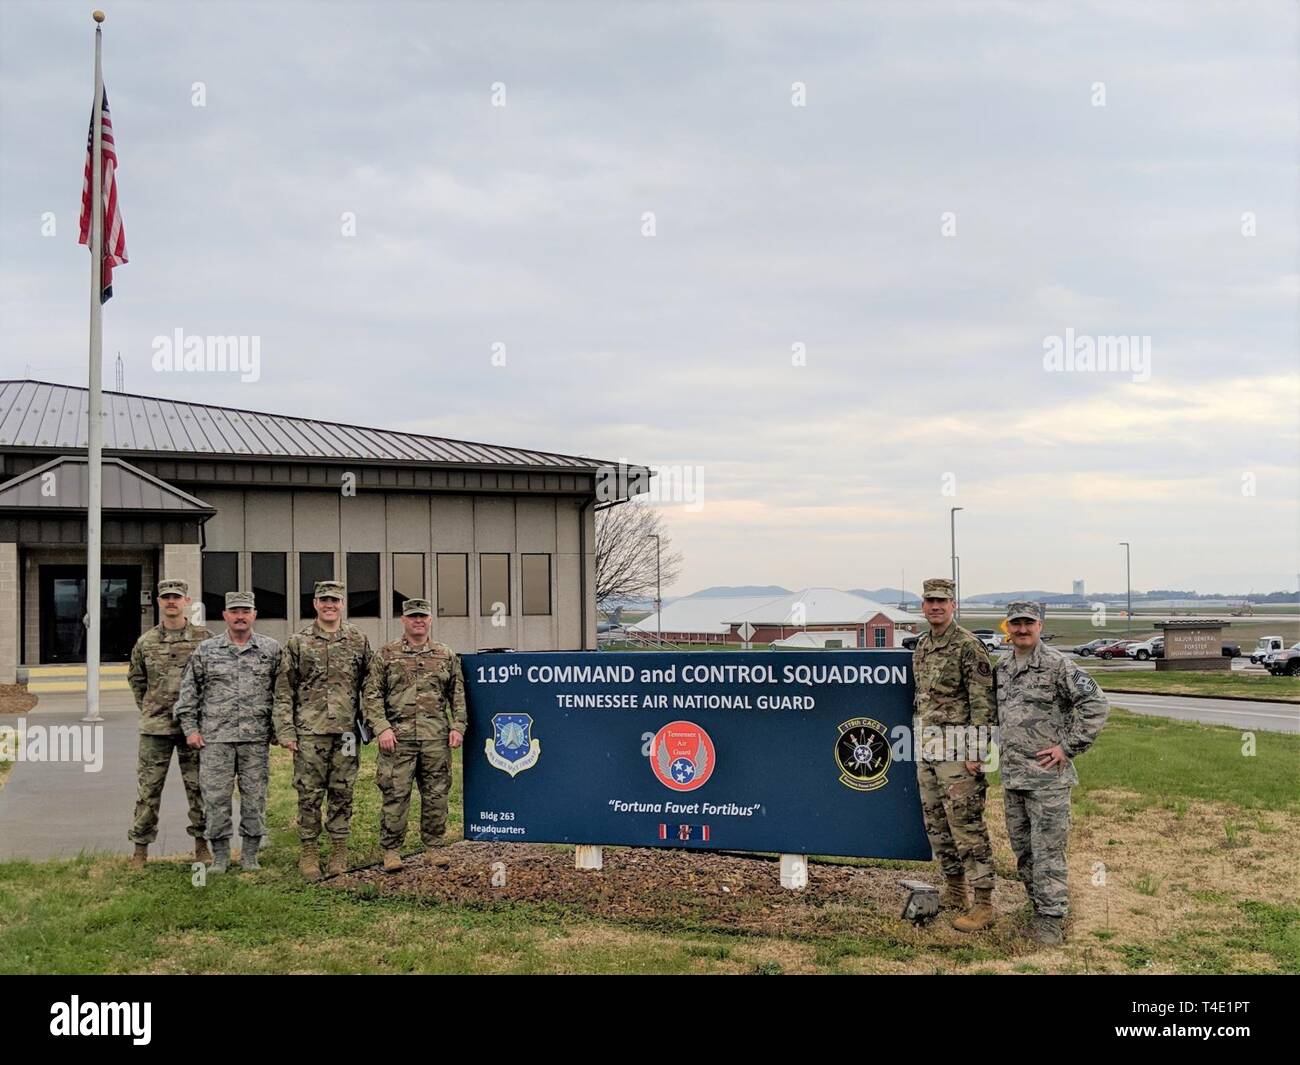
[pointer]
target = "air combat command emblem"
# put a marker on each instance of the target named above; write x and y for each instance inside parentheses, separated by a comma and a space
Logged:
(862, 754)
(512, 748)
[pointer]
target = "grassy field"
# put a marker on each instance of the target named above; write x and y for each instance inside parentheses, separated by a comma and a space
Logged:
(1235, 685)
(1183, 859)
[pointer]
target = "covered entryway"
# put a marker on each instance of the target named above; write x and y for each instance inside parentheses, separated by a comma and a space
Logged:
(151, 529)
(63, 608)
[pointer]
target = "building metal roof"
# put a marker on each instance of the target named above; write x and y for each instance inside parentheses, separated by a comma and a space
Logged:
(822, 606)
(43, 415)
(64, 484)
(700, 613)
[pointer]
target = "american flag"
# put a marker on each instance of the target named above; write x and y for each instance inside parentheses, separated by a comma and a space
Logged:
(114, 236)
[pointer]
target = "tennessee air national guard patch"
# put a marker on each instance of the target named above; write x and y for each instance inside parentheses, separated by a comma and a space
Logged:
(862, 753)
(1084, 683)
(682, 756)
(983, 668)
(512, 748)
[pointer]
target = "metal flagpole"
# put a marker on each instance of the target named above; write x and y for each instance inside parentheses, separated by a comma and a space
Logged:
(94, 426)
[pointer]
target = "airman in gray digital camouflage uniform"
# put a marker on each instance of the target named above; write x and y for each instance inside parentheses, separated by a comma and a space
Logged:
(954, 700)
(158, 661)
(414, 700)
(1050, 712)
(224, 709)
(317, 696)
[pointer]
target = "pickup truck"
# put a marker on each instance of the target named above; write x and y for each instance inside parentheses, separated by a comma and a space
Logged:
(1284, 663)
(1266, 646)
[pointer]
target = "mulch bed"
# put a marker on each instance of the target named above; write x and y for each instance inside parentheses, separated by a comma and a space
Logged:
(722, 891)
(16, 699)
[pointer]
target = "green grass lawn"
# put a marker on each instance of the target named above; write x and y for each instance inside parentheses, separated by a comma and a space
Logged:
(1238, 685)
(1146, 782)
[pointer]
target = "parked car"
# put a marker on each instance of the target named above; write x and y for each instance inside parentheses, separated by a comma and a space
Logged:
(1152, 648)
(1232, 650)
(1285, 663)
(1091, 646)
(1113, 650)
(1265, 646)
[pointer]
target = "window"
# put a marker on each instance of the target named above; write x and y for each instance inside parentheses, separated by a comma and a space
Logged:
(271, 584)
(313, 566)
(493, 585)
(363, 584)
(408, 579)
(881, 633)
(453, 586)
(535, 581)
(220, 575)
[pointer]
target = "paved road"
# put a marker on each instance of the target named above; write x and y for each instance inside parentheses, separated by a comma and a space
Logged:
(1242, 713)
(58, 810)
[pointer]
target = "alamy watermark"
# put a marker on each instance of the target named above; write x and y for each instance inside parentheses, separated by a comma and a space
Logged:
(179, 353)
(1084, 353)
(53, 743)
(658, 484)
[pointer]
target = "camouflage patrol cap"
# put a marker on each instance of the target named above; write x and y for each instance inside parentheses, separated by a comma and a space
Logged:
(939, 588)
(173, 587)
(415, 606)
(1025, 609)
(329, 590)
(236, 599)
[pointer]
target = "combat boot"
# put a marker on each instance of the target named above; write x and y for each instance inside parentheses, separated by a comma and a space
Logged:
(392, 861)
(248, 854)
(338, 863)
(1047, 931)
(201, 851)
(953, 896)
(140, 856)
(309, 860)
(220, 856)
(980, 915)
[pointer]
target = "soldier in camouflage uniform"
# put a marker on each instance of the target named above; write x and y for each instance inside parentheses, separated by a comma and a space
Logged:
(1050, 712)
(317, 696)
(414, 700)
(224, 709)
(954, 695)
(157, 661)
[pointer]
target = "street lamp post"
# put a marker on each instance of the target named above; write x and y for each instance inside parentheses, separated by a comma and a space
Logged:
(1128, 584)
(659, 594)
(952, 529)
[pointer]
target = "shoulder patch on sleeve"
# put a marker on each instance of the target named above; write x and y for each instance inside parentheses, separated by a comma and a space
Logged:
(983, 668)
(1084, 683)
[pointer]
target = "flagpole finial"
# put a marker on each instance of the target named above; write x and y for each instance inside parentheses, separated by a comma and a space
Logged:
(98, 16)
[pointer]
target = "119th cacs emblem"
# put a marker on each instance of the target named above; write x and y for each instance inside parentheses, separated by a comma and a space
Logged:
(862, 753)
(512, 748)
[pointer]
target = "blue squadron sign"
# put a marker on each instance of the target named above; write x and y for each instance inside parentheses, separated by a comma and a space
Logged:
(770, 751)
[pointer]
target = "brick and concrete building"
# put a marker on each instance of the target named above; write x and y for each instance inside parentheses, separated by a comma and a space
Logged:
(500, 539)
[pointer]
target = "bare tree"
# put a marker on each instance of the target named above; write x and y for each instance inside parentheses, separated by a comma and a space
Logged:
(625, 552)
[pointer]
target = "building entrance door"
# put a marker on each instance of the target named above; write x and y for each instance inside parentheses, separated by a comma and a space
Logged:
(63, 605)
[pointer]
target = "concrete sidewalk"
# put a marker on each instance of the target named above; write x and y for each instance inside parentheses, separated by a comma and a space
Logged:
(58, 810)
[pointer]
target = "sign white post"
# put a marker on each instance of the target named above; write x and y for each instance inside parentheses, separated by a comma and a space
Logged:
(745, 631)
(794, 871)
(588, 856)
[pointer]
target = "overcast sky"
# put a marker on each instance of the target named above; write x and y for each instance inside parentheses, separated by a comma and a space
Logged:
(910, 199)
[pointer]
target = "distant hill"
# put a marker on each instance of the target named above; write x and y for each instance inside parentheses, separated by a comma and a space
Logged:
(1036, 596)
(740, 589)
(887, 596)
